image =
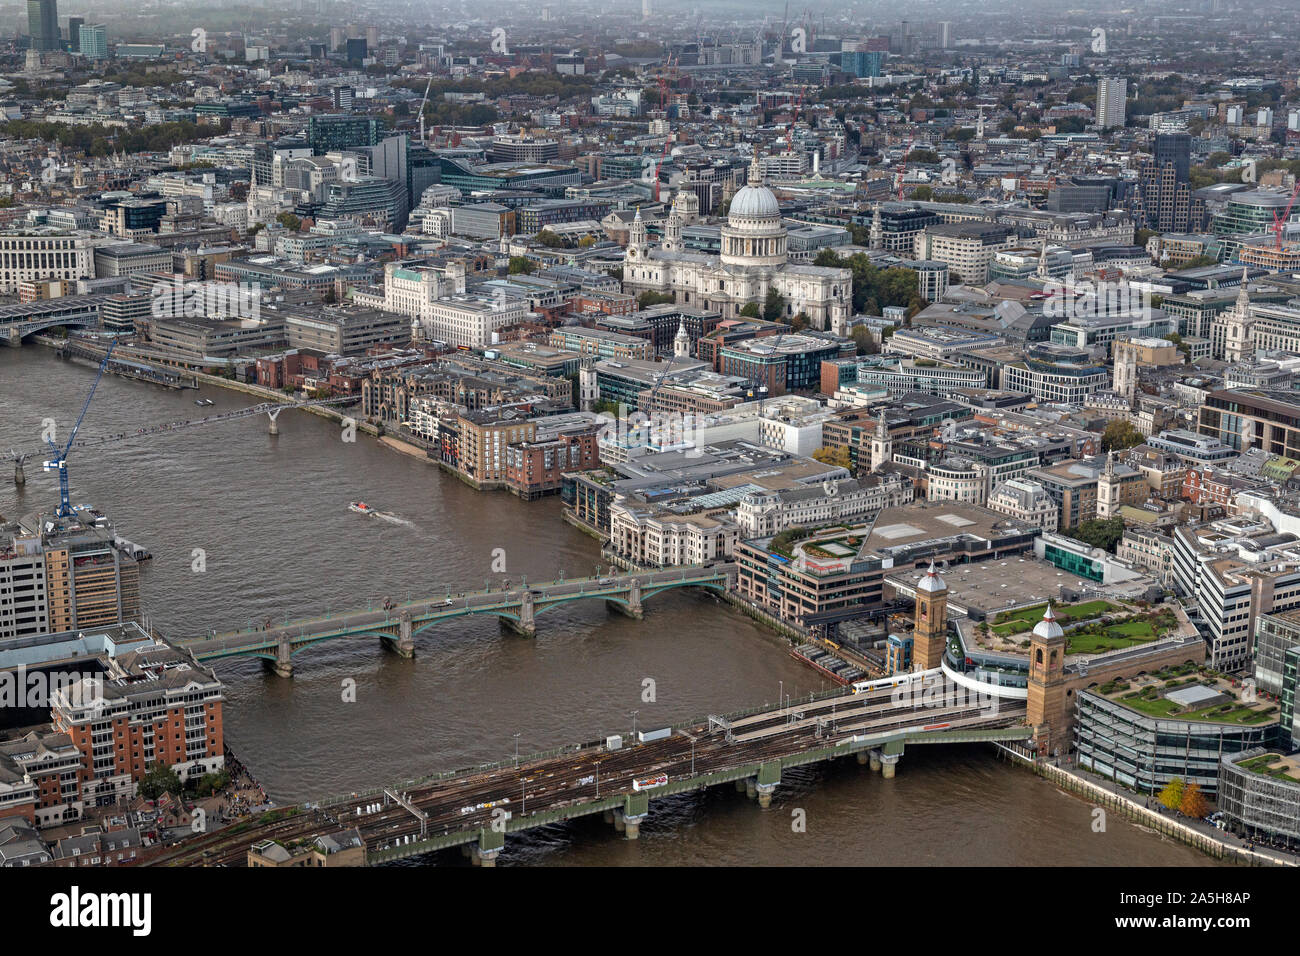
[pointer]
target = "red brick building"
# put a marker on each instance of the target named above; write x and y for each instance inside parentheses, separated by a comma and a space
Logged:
(152, 704)
(534, 469)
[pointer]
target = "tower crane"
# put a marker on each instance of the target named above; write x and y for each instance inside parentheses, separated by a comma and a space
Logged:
(423, 102)
(1279, 222)
(60, 460)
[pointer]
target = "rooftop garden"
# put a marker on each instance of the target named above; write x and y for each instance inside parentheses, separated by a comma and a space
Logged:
(1092, 627)
(834, 547)
(1027, 618)
(1264, 766)
(1147, 696)
(784, 542)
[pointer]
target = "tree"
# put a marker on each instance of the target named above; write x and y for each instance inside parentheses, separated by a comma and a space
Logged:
(834, 455)
(1119, 435)
(864, 340)
(773, 305)
(1199, 262)
(1181, 345)
(1172, 795)
(800, 322)
(874, 288)
(923, 194)
(550, 240)
(210, 783)
(160, 779)
(650, 297)
(522, 264)
(1193, 803)
(1098, 533)
(289, 221)
(751, 311)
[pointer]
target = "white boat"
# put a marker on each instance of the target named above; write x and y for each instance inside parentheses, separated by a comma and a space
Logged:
(361, 508)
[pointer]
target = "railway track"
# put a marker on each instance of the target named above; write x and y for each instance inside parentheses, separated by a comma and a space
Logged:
(467, 803)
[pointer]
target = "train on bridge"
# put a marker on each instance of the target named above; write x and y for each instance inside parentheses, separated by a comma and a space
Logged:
(476, 808)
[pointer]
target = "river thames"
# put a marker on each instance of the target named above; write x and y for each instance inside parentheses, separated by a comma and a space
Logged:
(244, 525)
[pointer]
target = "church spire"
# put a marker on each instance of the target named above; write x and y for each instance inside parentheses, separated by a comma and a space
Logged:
(682, 341)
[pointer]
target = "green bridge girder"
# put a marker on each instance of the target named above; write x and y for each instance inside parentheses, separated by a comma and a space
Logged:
(268, 649)
(637, 804)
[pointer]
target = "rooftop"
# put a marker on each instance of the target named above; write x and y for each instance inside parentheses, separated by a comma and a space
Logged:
(1189, 693)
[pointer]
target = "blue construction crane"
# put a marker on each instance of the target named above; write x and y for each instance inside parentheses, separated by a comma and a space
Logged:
(60, 460)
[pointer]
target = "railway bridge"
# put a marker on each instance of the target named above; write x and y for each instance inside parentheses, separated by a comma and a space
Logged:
(478, 808)
(397, 624)
(24, 319)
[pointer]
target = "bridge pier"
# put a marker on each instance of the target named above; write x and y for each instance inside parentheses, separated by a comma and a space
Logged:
(483, 857)
(490, 844)
(862, 758)
(632, 826)
(751, 787)
(20, 476)
(274, 427)
(887, 764)
(627, 822)
(633, 607)
(765, 784)
(403, 644)
(527, 623)
(875, 761)
(283, 665)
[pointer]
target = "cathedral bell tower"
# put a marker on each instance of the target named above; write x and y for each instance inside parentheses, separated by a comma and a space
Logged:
(636, 238)
(672, 241)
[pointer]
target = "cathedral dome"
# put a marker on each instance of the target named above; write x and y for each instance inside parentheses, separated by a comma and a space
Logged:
(754, 235)
(753, 202)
